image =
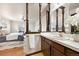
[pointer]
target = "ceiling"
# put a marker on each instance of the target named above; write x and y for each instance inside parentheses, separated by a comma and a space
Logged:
(13, 11)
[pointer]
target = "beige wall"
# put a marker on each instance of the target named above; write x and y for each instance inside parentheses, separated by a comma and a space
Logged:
(13, 26)
(7, 24)
(13, 11)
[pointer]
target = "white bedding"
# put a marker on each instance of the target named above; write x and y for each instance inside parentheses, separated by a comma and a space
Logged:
(13, 36)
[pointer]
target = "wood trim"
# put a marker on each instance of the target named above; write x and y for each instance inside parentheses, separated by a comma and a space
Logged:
(47, 22)
(40, 16)
(62, 8)
(27, 18)
(33, 33)
(63, 29)
(57, 20)
(27, 21)
(62, 18)
(44, 31)
(48, 17)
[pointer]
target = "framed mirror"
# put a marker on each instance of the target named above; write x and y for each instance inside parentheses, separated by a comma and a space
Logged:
(33, 18)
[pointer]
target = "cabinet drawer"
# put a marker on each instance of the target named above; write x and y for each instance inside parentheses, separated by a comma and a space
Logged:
(46, 49)
(57, 53)
(58, 47)
(70, 52)
(48, 41)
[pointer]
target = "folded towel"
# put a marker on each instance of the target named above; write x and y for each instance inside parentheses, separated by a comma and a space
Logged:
(32, 41)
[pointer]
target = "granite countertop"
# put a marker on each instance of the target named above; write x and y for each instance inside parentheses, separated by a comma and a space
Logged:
(65, 42)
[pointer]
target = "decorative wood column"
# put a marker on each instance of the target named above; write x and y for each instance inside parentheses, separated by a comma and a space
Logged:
(63, 29)
(40, 16)
(26, 17)
(57, 20)
(48, 17)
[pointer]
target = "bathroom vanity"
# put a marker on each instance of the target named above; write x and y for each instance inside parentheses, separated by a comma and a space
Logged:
(53, 45)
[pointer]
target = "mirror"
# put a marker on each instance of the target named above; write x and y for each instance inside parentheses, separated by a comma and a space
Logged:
(33, 17)
(53, 21)
(74, 12)
(59, 19)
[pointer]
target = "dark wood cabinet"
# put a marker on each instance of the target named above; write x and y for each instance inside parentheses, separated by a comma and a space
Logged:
(51, 48)
(59, 47)
(57, 52)
(47, 49)
(70, 52)
(45, 46)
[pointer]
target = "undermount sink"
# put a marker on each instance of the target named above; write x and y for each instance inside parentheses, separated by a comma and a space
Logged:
(62, 36)
(66, 36)
(71, 37)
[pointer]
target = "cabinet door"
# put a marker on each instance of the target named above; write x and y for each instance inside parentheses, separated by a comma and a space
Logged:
(70, 52)
(48, 41)
(59, 47)
(47, 49)
(45, 46)
(57, 53)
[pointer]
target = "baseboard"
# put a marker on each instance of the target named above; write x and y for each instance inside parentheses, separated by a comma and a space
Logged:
(33, 53)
